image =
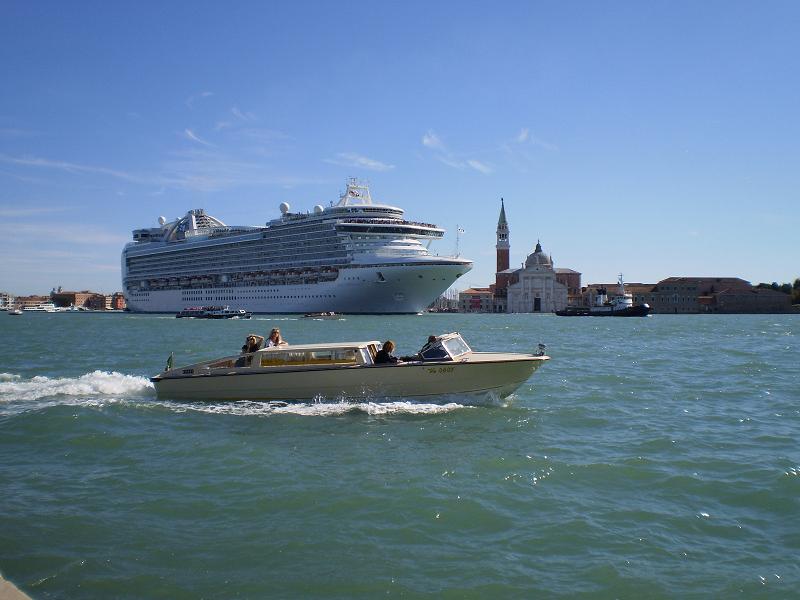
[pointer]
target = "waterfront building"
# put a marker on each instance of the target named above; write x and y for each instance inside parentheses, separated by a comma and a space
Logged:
(118, 301)
(476, 300)
(31, 301)
(98, 302)
(694, 295)
(65, 299)
(571, 279)
(6, 301)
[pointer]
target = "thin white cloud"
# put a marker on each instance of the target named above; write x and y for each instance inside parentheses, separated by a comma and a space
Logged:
(242, 116)
(191, 135)
(220, 125)
(351, 159)
(456, 164)
(192, 99)
(431, 140)
(445, 156)
(479, 166)
(68, 167)
(525, 137)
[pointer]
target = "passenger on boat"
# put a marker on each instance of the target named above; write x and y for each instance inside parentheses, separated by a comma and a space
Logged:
(418, 355)
(384, 355)
(275, 339)
(252, 343)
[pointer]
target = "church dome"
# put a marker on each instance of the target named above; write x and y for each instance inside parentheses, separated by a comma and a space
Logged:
(538, 258)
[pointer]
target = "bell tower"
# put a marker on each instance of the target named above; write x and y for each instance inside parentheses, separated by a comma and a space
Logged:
(503, 246)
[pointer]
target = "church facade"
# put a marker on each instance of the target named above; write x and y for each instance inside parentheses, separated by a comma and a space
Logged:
(534, 287)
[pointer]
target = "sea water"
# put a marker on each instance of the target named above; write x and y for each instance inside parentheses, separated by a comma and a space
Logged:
(651, 457)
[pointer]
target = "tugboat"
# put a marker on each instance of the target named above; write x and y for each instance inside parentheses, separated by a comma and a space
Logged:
(213, 312)
(621, 305)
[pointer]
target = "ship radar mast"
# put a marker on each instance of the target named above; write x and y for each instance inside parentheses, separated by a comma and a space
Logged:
(357, 192)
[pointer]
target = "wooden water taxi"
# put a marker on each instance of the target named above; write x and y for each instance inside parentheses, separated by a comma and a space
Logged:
(445, 366)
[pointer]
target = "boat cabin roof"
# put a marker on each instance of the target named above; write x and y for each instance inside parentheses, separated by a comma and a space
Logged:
(331, 346)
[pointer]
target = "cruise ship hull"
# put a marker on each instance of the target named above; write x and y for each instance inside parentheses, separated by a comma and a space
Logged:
(379, 289)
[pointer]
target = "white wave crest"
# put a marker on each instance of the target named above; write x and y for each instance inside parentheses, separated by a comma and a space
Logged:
(8, 377)
(318, 409)
(97, 383)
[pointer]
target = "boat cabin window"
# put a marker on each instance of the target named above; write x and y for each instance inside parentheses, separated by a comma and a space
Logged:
(337, 356)
(223, 364)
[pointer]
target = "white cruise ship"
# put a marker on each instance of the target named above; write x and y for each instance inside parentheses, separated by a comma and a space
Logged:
(351, 257)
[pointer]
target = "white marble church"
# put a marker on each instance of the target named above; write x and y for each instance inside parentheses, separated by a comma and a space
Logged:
(531, 288)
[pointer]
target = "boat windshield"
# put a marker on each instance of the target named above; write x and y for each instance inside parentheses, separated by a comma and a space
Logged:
(435, 352)
(456, 346)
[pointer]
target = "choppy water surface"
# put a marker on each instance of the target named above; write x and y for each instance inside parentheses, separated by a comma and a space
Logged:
(651, 457)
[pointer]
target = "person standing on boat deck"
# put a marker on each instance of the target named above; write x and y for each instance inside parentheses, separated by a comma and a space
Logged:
(275, 339)
(252, 343)
(384, 356)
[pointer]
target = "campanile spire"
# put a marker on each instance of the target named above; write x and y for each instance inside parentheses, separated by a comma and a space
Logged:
(503, 245)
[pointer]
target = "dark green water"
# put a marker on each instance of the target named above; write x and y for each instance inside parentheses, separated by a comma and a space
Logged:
(650, 458)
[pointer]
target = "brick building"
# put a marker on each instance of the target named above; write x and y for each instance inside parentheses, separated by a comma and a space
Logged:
(117, 301)
(476, 300)
(572, 280)
(67, 299)
(23, 301)
(691, 295)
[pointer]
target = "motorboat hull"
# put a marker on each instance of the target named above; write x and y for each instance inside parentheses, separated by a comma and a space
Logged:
(483, 375)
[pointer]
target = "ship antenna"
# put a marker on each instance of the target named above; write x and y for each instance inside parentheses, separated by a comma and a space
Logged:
(459, 231)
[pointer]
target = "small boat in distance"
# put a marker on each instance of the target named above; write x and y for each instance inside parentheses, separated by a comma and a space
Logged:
(14, 312)
(620, 305)
(322, 315)
(445, 366)
(213, 312)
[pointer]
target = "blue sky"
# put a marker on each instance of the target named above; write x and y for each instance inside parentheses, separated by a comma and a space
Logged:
(655, 139)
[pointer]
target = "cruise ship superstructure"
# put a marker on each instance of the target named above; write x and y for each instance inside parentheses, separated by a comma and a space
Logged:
(351, 257)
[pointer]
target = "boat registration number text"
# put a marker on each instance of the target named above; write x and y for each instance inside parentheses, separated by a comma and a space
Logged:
(440, 370)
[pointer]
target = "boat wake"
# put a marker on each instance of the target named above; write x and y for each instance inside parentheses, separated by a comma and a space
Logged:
(101, 388)
(15, 389)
